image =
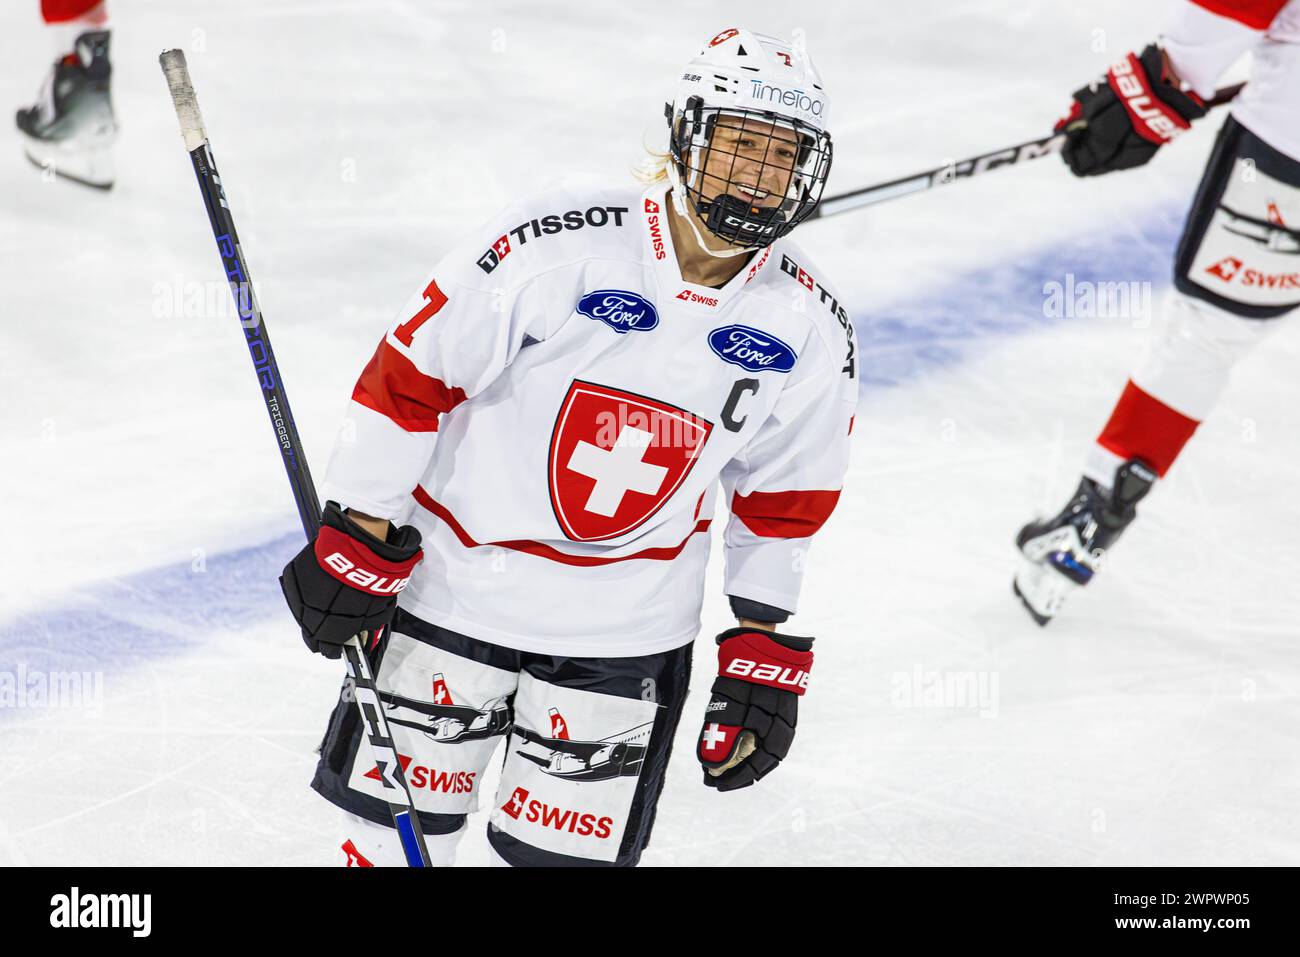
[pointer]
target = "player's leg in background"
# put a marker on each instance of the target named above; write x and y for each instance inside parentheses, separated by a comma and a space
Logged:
(66, 20)
(363, 843)
(70, 128)
(1236, 273)
(447, 699)
(586, 760)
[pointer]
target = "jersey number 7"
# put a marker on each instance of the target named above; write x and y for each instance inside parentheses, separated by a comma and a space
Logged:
(436, 300)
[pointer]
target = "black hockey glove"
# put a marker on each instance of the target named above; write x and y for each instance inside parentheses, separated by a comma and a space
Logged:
(347, 581)
(1119, 124)
(750, 719)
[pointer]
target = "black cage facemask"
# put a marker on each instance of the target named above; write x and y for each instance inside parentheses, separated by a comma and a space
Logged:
(790, 162)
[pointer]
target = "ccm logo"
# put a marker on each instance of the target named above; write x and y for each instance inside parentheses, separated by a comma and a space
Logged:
(366, 581)
(773, 674)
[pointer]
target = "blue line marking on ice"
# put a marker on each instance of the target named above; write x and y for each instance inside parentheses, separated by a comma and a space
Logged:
(949, 324)
(173, 608)
(159, 611)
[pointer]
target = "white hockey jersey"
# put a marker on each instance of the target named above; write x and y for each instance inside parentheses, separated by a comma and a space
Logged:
(556, 408)
(1207, 36)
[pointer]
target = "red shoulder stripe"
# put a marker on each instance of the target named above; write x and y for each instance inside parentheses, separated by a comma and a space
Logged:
(392, 386)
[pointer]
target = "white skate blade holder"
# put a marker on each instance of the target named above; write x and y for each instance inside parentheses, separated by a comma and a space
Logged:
(86, 159)
(1042, 589)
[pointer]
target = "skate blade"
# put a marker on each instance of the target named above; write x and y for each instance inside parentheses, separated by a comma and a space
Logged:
(89, 165)
(1041, 620)
(1041, 589)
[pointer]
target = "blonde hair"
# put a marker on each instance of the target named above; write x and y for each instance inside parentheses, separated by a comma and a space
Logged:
(653, 168)
(654, 165)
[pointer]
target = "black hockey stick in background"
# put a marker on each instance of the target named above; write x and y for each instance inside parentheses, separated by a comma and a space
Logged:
(942, 175)
(400, 804)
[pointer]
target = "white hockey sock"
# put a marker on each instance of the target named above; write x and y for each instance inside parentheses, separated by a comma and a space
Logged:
(365, 843)
(64, 34)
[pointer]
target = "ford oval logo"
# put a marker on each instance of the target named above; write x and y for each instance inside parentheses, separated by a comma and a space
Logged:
(751, 349)
(619, 309)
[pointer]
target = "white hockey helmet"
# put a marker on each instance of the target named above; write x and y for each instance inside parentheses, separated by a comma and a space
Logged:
(768, 87)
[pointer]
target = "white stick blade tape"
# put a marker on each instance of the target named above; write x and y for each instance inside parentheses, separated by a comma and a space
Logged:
(183, 98)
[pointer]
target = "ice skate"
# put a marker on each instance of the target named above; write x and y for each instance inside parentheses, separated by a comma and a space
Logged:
(1061, 554)
(70, 129)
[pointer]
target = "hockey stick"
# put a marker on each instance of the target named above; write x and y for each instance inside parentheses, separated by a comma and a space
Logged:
(942, 175)
(400, 803)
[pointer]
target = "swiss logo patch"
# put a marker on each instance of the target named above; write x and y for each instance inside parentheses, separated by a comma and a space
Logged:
(616, 457)
(514, 805)
(717, 742)
(440, 693)
(1225, 269)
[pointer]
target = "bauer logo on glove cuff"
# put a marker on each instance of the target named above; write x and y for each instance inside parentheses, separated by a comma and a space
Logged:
(758, 658)
(1152, 119)
(766, 673)
(362, 579)
(354, 564)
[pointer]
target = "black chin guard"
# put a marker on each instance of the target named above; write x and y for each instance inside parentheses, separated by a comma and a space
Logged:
(731, 218)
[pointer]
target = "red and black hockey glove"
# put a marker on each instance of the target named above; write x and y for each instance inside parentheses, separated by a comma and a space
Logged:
(749, 723)
(347, 581)
(1121, 123)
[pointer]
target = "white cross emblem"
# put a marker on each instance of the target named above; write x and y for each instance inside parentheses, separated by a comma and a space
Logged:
(713, 736)
(439, 690)
(617, 470)
(517, 802)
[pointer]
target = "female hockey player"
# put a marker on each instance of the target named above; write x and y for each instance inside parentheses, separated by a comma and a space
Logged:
(1236, 272)
(537, 444)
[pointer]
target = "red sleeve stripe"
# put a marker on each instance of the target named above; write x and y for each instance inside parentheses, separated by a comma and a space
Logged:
(784, 514)
(392, 386)
(1256, 14)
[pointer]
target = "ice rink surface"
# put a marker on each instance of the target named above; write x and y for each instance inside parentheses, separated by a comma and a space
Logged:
(147, 516)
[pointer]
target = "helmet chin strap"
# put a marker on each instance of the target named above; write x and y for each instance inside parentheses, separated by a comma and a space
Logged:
(679, 203)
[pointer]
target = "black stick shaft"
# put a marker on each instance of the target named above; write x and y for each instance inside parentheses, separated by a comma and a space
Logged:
(366, 695)
(257, 339)
(963, 169)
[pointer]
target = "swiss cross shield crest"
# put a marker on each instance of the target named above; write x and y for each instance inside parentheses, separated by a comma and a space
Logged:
(616, 457)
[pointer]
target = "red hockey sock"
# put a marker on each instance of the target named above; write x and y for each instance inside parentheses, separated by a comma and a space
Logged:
(60, 11)
(1143, 427)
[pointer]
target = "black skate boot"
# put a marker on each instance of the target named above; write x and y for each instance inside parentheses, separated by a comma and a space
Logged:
(70, 129)
(1064, 552)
